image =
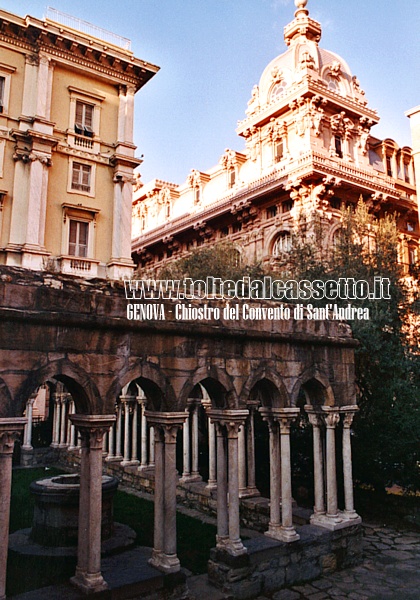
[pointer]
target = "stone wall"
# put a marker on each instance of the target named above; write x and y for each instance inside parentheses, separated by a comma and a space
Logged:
(271, 565)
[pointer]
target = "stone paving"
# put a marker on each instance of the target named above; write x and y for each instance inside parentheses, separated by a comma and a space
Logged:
(390, 570)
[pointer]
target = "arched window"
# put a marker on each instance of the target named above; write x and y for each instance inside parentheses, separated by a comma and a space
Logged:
(282, 244)
(333, 84)
(278, 90)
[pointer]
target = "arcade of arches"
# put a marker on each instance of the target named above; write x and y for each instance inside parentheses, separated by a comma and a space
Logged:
(131, 392)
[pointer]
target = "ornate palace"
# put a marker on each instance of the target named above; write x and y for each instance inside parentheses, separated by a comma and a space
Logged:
(308, 148)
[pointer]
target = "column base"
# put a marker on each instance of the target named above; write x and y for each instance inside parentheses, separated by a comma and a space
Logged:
(235, 547)
(112, 459)
(167, 563)
(190, 478)
(249, 492)
(351, 515)
(335, 522)
(283, 534)
(89, 583)
(222, 541)
(211, 484)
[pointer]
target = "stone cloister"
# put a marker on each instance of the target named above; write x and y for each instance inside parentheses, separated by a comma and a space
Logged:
(123, 390)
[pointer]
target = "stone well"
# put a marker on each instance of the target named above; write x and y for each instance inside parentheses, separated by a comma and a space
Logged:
(55, 520)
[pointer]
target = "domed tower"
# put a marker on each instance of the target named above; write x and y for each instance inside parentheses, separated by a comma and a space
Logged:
(309, 120)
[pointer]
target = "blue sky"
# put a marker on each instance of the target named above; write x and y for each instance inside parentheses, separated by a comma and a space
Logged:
(212, 52)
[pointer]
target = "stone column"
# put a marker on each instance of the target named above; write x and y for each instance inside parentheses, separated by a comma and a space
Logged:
(56, 420)
(134, 428)
(72, 438)
(315, 420)
(27, 436)
(10, 430)
(212, 482)
(118, 455)
(159, 498)
(186, 469)
(331, 418)
(285, 418)
(143, 424)
(222, 536)
(70, 410)
(348, 415)
(252, 488)
(274, 525)
(88, 575)
(194, 443)
(126, 459)
(230, 420)
(111, 444)
(151, 448)
(63, 420)
(242, 462)
(166, 425)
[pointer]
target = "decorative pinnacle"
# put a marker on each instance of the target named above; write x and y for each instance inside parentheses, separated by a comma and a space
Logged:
(300, 5)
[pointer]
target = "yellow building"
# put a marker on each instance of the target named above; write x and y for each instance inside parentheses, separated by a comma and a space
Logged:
(66, 145)
(309, 149)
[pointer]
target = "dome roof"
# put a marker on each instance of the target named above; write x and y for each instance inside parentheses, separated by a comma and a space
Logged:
(303, 58)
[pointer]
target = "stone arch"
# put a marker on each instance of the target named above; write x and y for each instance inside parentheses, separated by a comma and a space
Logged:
(6, 403)
(267, 387)
(218, 385)
(156, 385)
(83, 389)
(316, 387)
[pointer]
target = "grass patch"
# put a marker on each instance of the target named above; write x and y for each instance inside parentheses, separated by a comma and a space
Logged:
(194, 538)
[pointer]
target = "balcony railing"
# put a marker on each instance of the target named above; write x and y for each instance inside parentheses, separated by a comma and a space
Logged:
(83, 26)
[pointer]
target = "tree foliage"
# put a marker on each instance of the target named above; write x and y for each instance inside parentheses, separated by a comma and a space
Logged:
(387, 429)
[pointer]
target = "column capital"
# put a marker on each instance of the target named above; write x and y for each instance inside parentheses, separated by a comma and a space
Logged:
(314, 415)
(92, 428)
(348, 413)
(331, 416)
(10, 430)
(225, 416)
(268, 417)
(285, 416)
(168, 422)
(128, 398)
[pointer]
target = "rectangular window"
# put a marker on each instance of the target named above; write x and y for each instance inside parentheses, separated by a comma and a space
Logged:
(406, 173)
(338, 147)
(278, 151)
(271, 211)
(388, 166)
(80, 179)
(197, 195)
(78, 238)
(84, 119)
(2, 90)
(287, 206)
